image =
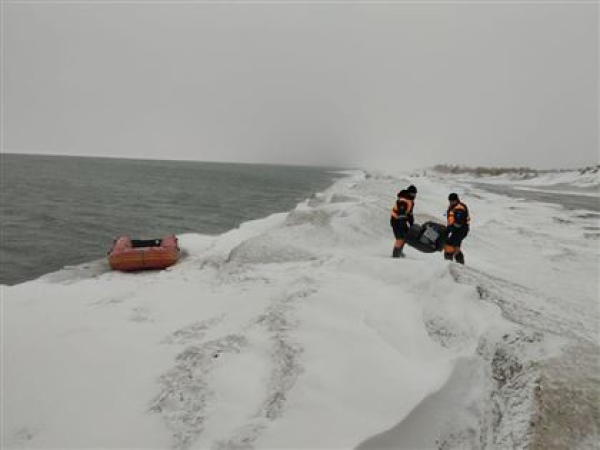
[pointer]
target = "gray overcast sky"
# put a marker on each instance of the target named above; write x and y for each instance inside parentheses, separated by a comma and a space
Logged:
(386, 85)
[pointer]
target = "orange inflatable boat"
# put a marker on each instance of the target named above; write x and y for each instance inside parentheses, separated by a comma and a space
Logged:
(129, 254)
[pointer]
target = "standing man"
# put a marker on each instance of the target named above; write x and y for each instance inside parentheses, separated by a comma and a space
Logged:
(402, 218)
(457, 230)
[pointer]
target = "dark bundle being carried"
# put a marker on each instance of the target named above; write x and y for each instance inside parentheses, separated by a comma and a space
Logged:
(427, 238)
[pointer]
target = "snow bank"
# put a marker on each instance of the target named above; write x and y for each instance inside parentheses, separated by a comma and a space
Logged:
(571, 179)
(576, 178)
(299, 331)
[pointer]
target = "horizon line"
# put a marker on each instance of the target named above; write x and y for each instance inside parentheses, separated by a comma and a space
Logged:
(302, 165)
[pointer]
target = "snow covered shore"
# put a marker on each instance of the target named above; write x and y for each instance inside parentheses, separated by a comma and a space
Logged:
(582, 179)
(299, 331)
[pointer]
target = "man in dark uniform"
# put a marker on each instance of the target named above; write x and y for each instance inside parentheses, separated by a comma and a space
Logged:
(458, 228)
(402, 218)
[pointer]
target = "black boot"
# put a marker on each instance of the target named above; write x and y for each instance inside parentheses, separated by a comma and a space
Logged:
(460, 258)
(397, 252)
(449, 256)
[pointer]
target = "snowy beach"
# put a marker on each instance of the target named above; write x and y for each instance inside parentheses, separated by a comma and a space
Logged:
(299, 331)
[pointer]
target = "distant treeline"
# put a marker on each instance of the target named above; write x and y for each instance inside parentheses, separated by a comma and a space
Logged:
(493, 171)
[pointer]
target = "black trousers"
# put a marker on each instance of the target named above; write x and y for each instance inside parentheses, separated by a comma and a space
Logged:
(456, 235)
(400, 228)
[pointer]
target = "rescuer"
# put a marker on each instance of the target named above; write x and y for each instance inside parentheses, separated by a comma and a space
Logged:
(402, 218)
(457, 229)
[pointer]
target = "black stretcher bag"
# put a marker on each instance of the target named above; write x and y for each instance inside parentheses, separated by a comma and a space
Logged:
(427, 238)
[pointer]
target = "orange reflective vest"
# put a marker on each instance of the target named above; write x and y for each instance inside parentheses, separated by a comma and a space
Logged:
(402, 209)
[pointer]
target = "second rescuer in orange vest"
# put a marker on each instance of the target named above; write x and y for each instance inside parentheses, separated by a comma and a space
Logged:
(458, 228)
(402, 218)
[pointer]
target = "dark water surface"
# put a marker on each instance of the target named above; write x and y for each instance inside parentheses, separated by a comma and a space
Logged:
(61, 210)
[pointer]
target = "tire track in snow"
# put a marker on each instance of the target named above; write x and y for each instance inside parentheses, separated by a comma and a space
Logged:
(185, 391)
(193, 332)
(278, 321)
(186, 395)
